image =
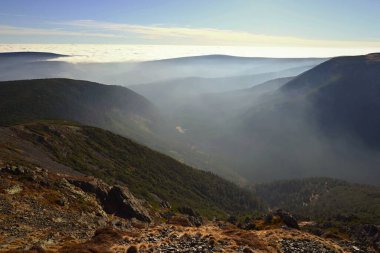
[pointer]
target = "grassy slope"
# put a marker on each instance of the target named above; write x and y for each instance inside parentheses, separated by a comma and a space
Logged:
(323, 198)
(117, 159)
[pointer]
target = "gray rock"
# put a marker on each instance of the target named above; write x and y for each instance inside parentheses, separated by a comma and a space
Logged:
(287, 218)
(116, 200)
(122, 203)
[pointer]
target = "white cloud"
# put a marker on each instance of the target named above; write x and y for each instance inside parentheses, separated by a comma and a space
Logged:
(14, 30)
(210, 36)
(123, 53)
(154, 34)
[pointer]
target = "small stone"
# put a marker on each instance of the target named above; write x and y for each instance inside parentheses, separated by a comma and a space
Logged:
(247, 250)
(60, 202)
(132, 249)
(14, 189)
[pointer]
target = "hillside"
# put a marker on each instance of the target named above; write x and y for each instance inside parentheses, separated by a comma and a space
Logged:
(110, 107)
(62, 146)
(322, 123)
(43, 211)
(344, 93)
(324, 199)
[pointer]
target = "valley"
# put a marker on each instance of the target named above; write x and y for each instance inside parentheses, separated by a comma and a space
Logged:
(267, 162)
(189, 126)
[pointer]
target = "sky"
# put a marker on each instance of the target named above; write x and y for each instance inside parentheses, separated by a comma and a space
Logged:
(339, 24)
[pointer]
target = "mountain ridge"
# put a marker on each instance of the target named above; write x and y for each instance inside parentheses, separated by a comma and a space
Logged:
(344, 93)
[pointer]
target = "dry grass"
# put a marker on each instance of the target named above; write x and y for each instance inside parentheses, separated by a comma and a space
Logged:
(100, 243)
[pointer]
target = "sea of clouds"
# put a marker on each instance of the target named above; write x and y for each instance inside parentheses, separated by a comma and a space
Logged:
(123, 53)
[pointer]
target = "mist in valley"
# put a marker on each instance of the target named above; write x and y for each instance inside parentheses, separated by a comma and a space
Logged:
(229, 115)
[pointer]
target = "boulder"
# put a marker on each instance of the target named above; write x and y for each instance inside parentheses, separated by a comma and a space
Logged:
(287, 218)
(193, 216)
(122, 203)
(115, 200)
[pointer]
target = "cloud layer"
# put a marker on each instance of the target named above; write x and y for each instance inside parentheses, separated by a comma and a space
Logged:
(15, 30)
(158, 34)
(210, 36)
(123, 53)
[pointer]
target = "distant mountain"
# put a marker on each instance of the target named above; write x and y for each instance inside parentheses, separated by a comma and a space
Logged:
(221, 58)
(64, 147)
(215, 58)
(111, 107)
(14, 67)
(178, 91)
(29, 55)
(206, 66)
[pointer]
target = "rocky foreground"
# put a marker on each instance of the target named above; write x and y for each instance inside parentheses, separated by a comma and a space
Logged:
(42, 211)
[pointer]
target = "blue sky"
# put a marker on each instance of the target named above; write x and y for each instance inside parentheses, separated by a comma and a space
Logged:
(324, 23)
